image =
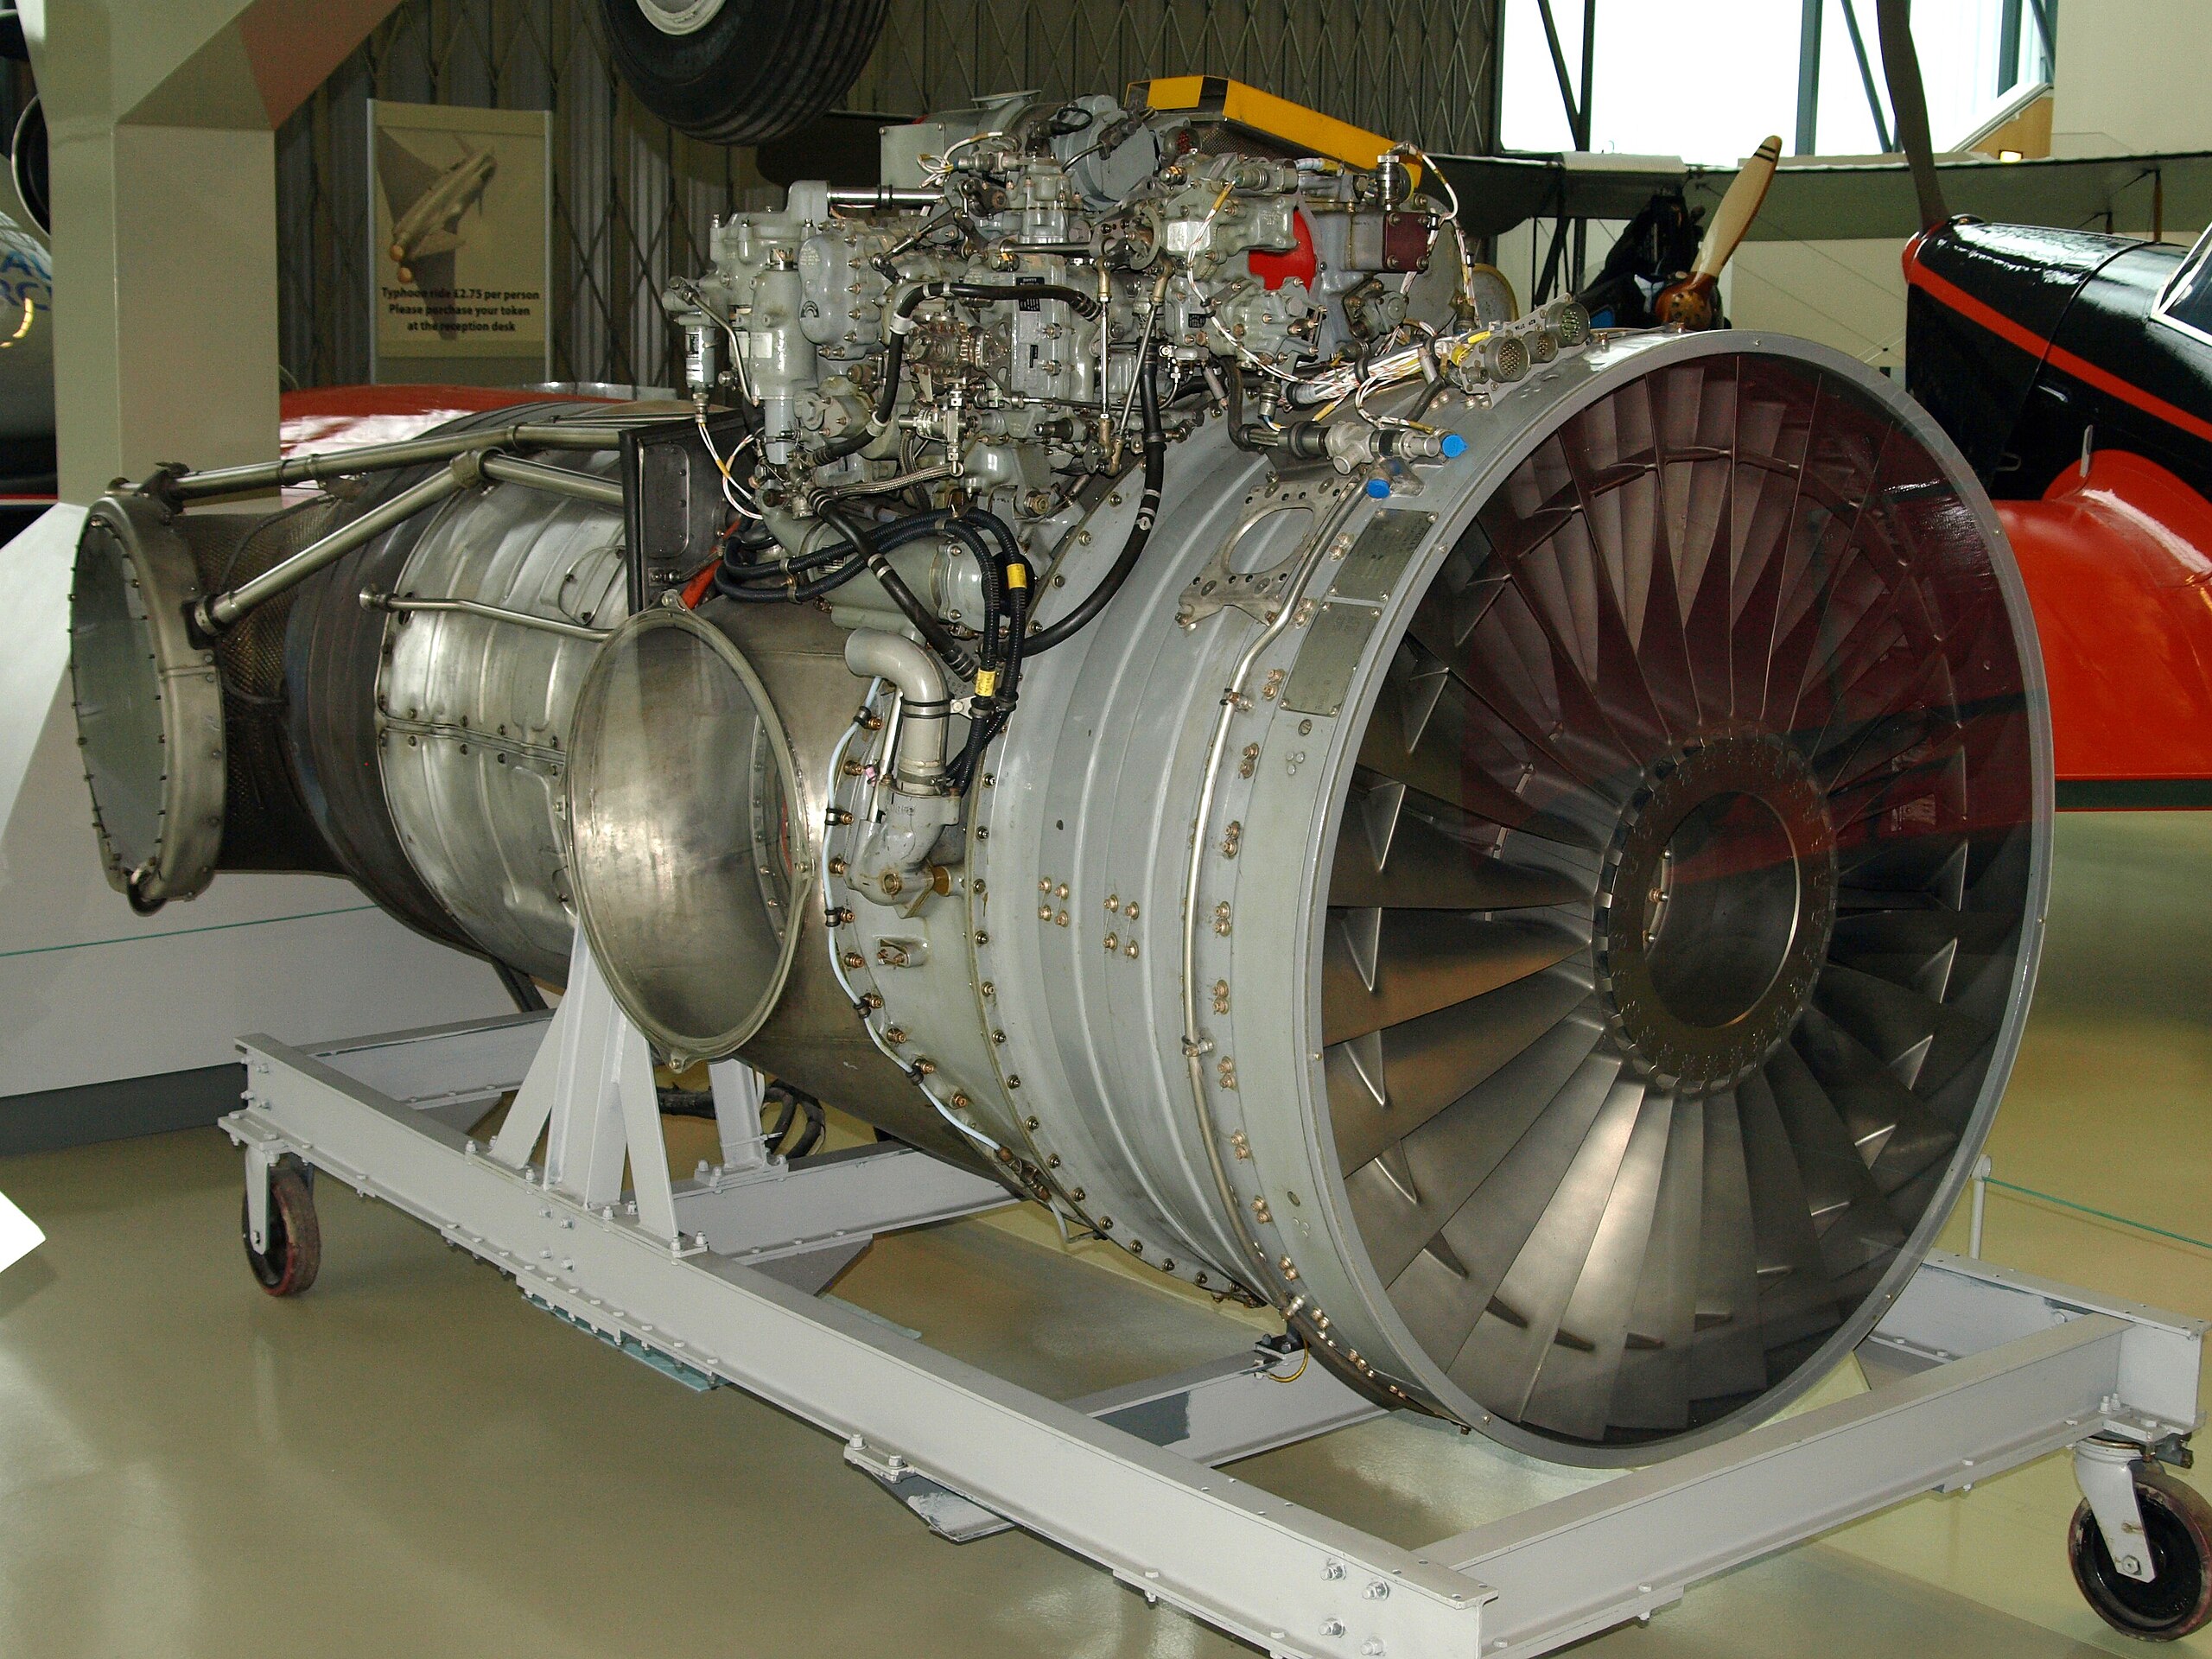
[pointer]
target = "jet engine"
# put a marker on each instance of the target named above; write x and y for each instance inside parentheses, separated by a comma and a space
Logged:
(1522, 851)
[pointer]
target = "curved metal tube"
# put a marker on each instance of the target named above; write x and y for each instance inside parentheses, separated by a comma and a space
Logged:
(872, 653)
(1234, 697)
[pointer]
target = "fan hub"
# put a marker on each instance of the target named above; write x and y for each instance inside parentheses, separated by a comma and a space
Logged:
(1714, 913)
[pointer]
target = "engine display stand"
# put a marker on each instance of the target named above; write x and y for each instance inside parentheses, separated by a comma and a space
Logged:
(712, 1279)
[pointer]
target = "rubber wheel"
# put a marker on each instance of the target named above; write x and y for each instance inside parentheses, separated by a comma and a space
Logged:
(294, 1253)
(26, 163)
(755, 71)
(2178, 1527)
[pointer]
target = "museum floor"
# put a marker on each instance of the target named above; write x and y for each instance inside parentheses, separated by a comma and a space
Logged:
(411, 1460)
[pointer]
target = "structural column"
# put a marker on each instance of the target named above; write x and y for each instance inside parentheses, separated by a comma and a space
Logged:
(160, 117)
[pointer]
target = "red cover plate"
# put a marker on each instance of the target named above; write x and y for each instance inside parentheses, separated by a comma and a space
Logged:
(345, 418)
(1274, 270)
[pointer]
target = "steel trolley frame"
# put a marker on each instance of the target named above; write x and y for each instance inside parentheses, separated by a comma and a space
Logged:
(713, 1280)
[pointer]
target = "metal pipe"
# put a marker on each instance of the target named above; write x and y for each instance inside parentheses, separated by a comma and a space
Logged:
(892, 485)
(876, 654)
(213, 614)
(555, 480)
(1197, 1045)
(373, 600)
(328, 464)
(856, 195)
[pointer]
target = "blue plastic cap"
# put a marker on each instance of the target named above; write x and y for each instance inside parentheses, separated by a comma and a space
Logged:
(1454, 445)
(1378, 487)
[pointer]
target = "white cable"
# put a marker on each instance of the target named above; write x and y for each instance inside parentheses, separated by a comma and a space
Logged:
(838, 966)
(731, 490)
(938, 174)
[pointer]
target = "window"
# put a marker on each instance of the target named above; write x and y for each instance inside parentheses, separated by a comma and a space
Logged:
(2185, 302)
(1710, 93)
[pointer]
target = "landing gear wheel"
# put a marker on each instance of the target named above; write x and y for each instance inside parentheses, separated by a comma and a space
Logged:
(289, 1264)
(2178, 1528)
(740, 71)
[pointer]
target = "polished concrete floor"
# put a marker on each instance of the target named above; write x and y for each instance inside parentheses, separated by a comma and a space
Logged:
(411, 1461)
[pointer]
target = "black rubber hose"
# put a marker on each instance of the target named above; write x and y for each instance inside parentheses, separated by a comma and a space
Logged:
(742, 580)
(925, 620)
(686, 1102)
(811, 1136)
(894, 358)
(988, 716)
(791, 593)
(775, 569)
(521, 988)
(994, 589)
(1156, 465)
(1010, 554)
(772, 1144)
(894, 362)
(1084, 305)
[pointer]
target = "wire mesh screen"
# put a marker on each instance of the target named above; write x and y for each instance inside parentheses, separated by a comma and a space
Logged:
(1418, 69)
(633, 200)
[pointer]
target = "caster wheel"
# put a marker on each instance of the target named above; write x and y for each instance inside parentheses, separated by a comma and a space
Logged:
(2178, 1528)
(288, 1265)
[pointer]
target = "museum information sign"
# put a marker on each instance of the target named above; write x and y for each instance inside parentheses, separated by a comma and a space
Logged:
(459, 239)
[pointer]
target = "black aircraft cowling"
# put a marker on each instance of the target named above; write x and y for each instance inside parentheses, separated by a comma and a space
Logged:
(2020, 340)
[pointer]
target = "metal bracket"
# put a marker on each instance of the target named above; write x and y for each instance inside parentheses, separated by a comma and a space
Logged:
(1237, 1407)
(589, 1092)
(260, 1161)
(1259, 593)
(2105, 1471)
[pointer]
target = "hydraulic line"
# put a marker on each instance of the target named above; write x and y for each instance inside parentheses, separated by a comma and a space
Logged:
(554, 480)
(1084, 305)
(737, 581)
(924, 619)
(993, 577)
(989, 713)
(213, 615)
(899, 323)
(1156, 465)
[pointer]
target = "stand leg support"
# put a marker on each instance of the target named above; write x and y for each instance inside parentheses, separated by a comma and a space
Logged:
(2104, 1470)
(259, 1159)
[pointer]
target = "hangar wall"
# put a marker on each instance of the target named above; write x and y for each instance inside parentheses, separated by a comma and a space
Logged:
(2109, 97)
(633, 200)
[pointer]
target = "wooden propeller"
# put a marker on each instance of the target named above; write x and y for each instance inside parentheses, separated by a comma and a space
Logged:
(1695, 301)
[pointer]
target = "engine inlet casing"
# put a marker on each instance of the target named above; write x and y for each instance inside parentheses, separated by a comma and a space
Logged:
(1557, 925)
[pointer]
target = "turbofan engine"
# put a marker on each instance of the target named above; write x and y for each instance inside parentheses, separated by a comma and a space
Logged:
(1524, 852)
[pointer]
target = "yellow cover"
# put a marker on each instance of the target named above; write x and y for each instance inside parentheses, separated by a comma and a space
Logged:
(1271, 117)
